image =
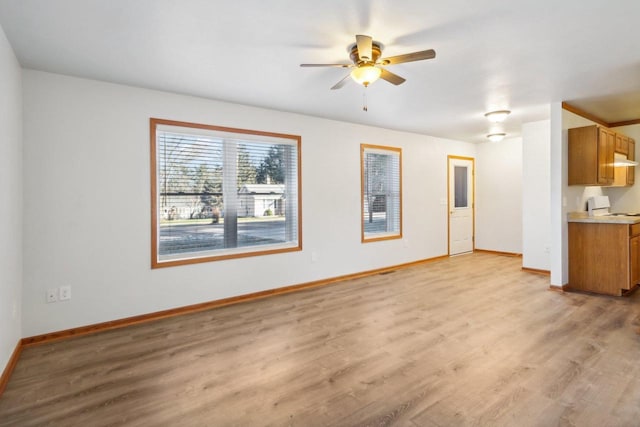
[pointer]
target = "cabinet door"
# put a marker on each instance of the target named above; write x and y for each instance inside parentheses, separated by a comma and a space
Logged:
(611, 148)
(583, 156)
(631, 171)
(634, 261)
(606, 145)
(622, 144)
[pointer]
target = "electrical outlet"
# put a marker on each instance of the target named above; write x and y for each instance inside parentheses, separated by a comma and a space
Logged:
(52, 295)
(65, 293)
(314, 256)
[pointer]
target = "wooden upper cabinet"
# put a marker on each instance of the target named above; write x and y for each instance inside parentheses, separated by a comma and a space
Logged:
(631, 155)
(591, 153)
(622, 144)
(606, 157)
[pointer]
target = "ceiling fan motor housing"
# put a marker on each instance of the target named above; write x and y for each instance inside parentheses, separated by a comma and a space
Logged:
(376, 51)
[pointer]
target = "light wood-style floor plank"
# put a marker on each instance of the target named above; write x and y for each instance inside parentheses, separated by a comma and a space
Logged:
(467, 341)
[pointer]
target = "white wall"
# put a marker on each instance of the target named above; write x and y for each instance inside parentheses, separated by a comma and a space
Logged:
(536, 197)
(499, 196)
(87, 202)
(11, 191)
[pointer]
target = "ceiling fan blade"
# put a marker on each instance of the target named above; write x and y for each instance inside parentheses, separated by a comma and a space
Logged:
(409, 57)
(341, 82)
(364, 44)
(327, 65)
(391, 77)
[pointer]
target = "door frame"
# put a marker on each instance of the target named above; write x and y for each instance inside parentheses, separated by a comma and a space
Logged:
(473, 201)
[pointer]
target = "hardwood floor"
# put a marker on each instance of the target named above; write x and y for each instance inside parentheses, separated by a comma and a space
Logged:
(471, 340)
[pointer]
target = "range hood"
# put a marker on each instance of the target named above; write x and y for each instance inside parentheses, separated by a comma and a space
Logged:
(621, 160)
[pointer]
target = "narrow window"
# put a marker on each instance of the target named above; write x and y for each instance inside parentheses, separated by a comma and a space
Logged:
(381, 201)
(220, 193)
(460, 181)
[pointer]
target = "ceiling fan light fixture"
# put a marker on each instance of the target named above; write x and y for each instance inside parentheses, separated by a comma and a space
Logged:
(366, 74)
(496, 137)
(497, 116)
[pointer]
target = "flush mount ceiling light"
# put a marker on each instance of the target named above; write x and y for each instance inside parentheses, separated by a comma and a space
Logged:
(496, 137)
(366, 74)
(497, 116)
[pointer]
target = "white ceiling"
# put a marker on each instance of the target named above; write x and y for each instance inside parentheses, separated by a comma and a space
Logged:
(491, 54)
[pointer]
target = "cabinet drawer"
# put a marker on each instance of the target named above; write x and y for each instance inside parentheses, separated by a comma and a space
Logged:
(635, 229)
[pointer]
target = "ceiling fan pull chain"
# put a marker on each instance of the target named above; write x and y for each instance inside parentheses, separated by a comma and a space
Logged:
(364, 100)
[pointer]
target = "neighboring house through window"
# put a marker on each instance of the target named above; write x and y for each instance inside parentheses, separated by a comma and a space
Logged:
(221, 193)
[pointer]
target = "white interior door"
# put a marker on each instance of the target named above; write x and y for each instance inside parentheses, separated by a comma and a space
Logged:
(461, 204)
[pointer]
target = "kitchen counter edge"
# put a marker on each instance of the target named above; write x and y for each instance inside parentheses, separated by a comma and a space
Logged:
(603, 219)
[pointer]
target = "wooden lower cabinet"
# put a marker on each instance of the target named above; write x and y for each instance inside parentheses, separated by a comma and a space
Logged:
(634, 259)
(604, 257)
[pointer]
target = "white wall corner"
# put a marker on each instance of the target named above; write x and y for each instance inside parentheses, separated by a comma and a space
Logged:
(11, 188)
(558, 190)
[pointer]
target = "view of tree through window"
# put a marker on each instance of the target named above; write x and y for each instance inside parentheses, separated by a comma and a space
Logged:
(222, 192)
(381, 192)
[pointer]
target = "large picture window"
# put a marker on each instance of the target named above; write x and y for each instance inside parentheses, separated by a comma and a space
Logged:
(221, 193)
(381, 202)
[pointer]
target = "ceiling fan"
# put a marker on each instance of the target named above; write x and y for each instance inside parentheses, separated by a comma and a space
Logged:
(367, 64)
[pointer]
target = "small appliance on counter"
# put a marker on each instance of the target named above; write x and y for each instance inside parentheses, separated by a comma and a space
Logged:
(598, 205)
